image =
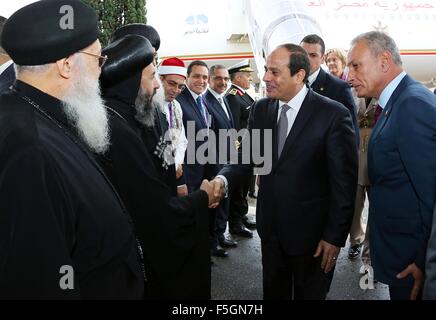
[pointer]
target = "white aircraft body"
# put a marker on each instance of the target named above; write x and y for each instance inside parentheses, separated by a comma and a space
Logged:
(216, 31)
(226, 31)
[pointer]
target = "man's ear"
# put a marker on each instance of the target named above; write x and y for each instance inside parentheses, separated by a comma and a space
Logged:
(385, 59)
(300, 75)
(65, 67)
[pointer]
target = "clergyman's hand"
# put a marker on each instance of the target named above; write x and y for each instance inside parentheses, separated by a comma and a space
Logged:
(182, 190)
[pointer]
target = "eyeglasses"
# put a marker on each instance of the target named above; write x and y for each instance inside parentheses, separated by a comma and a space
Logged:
(101, 59)
(175, 85)
(218, 78)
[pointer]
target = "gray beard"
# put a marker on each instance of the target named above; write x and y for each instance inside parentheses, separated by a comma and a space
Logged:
(145, 109)
(85, 108)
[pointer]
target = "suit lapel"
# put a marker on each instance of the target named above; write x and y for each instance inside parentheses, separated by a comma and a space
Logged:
(273, 109)
(389, 106)
(319, 84)
(306, 111)
(232, 122)
(195, 107)
(247, 99)
(217, 107)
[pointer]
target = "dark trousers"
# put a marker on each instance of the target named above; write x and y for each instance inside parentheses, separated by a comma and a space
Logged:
(252, 185)
(221, 217)
(402, 292)
(238, 205)
(291, 277)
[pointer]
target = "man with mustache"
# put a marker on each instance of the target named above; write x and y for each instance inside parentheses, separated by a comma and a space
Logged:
(173, 230)
(64, 233)
(305, 204)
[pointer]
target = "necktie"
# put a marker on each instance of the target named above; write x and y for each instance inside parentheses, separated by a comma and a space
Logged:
(377, 113)
(220, 100)
(202, 108)
(282, 129)
(170, 112)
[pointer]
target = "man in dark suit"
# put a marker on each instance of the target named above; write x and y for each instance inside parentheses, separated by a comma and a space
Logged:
(240, 103)
(7, 73)
(334, 88)
(195, 117)
(324, 83)
(305, 204)
(401, 163)
(430, 265)
(223, 121)
(197, 121)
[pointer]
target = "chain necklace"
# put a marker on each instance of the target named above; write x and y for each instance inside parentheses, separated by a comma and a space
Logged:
(92, 160)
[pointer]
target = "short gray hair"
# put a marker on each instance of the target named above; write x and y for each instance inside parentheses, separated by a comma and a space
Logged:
(44, 67)
(34, 69)
(378, 42)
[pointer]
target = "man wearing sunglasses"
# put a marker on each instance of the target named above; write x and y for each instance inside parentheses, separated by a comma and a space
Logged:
(64, 233)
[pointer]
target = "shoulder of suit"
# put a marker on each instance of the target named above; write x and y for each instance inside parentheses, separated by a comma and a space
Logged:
(333, 106)
(338, 82)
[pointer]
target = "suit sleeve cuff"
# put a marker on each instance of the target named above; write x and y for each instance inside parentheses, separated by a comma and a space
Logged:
(226, 185)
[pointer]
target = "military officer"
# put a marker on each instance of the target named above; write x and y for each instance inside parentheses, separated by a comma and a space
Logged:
(240, 103)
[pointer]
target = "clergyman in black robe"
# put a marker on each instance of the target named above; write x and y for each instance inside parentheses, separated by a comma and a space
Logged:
(173, 230)
(64, 233)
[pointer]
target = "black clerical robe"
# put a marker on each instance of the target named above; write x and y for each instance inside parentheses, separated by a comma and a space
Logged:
(59, 215)
(173, 230)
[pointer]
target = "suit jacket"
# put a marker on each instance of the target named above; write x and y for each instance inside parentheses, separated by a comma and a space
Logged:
(336, 89)
(194, 172)
(221, 121)
(430, 266)
(309, 193)
(7, 78)
(402, 172)
(240, 104)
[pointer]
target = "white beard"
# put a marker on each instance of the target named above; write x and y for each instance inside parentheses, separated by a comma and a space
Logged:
(84, 106)
(145, 109)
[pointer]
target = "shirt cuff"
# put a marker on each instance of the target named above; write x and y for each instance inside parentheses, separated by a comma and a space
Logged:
(226, 185)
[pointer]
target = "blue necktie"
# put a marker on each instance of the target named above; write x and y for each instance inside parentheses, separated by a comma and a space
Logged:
(202, 108)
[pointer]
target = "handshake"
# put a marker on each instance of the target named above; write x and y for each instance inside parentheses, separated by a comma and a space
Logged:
(215, 191)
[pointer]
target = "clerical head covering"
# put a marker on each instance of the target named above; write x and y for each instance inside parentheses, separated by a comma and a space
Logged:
(242, 66)
(121, 74)
(127, 55)
(49, 30)
(172, 66)
(141, 29)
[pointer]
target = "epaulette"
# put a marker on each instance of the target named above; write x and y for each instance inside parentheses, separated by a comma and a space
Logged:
(233, 92)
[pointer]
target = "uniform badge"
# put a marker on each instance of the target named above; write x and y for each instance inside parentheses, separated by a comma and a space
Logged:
(237, 144)
(233, 92)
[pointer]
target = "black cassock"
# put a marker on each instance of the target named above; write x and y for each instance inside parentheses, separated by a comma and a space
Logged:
(173, 230)
(58, 209)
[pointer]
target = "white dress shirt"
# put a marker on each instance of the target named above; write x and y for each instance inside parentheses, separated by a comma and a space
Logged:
(5, 65)
(294, 107)
(219, 97)
(313, 77)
